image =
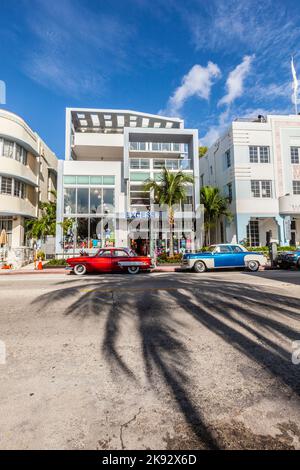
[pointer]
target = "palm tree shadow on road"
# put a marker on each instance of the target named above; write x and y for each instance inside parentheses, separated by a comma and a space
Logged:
(255, 323)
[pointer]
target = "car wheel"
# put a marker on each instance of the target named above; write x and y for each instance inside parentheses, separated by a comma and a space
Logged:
(253, 265)
(199, 267)
(80, 269)
(133, 269)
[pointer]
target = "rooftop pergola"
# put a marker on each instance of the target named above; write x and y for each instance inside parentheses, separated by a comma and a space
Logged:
(106, 120)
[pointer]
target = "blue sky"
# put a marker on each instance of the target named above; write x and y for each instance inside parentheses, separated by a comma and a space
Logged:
(207, 62)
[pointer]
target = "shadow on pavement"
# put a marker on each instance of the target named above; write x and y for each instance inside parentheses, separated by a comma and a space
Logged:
(259, 324)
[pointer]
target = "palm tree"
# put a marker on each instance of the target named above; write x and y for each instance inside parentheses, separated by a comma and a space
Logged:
(215, 206)
(46, 224)
(169, 189)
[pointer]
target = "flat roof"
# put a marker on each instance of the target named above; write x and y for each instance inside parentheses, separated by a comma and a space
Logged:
(93, 120)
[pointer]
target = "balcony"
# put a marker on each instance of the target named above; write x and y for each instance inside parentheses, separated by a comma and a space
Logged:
(158, 147)
(158, 164)
(289, 204)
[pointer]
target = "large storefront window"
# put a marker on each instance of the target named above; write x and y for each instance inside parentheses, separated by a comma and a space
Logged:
(70, 200)
(90, 233)
(108, 201)
(82, 200)
(95, 200)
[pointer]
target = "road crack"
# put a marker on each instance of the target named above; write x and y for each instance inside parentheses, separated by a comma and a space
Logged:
(124, 425)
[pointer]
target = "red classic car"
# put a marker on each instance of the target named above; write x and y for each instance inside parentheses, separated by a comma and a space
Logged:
(110, 260)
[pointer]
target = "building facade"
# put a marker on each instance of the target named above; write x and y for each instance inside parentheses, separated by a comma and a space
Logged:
(109, 156)
(28, 171)
(256, 164)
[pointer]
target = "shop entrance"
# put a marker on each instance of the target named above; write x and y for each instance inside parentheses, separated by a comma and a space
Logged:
(141, 246)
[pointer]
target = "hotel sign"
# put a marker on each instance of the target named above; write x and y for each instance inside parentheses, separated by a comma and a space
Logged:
(142, 215)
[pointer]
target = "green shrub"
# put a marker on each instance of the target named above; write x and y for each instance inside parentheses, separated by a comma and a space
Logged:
(40, 254)
(56, 262)
(164, 258)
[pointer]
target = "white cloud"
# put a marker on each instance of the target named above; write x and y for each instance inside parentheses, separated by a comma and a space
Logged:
(235, 81)
(197, 82)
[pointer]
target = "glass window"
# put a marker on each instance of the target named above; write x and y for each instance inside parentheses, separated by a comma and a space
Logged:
(266, 189)
(264, 154)
(144, 164)
(70, 179)
(8, 148)
(237, 249)
(158, 164)
(253, 154)
(172, 164)
(156, 146)
(184, 164)
(96, 200)
(224, 249)
(108, 180)
(83, 179)
(228, 158)
(255, 188)
(176, 147)
(82, 200)
(120, 253)
(104, 253)
(134, 163)
(19, 189)
(166, 147)
(295, 155)
(96, 179)
(21, 154)
(139, 176)
(108, 200)
(96, 231)
(82, 233)
(6, 185)
(253, 233)
(229, 192)
(133, 145)
(70, 201)
(296, 187)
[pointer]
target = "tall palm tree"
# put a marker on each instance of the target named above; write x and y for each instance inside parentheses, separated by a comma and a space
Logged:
(169, 189)
(215, 206)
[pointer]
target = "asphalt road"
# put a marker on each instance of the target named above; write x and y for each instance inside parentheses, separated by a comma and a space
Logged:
(154, 361)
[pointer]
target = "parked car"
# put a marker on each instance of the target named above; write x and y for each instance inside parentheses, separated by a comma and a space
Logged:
(288, 259)
(110, 260)
(223, 256)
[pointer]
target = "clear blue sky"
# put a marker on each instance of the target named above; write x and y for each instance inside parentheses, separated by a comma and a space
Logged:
(205, 61)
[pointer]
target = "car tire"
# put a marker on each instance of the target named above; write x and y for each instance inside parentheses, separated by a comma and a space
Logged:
(298, 264)
(199, 267)
(133, 269)
(80, 269)
(253, 266)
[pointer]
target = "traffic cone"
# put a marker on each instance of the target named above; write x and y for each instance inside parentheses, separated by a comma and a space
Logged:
(40, 265)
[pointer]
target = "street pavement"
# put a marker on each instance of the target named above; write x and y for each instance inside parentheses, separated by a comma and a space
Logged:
(153, 361)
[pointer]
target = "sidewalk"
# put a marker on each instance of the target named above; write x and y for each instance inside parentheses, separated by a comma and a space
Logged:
(29, 270)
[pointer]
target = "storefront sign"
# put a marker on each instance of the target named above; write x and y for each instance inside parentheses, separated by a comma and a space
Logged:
(142, 215)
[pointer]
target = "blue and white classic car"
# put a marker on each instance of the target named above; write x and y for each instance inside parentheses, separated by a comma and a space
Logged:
(223, 256)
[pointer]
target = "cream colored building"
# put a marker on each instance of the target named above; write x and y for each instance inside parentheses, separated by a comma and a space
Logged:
(256, 164)
(27, 175)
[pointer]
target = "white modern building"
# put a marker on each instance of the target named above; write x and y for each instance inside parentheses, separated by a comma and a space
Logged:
(256, 163)
(28, 171)
(108, 157)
